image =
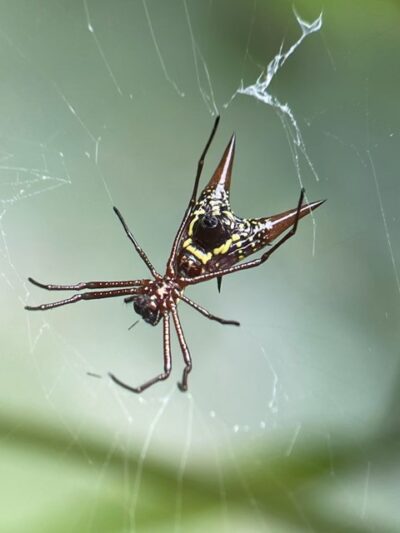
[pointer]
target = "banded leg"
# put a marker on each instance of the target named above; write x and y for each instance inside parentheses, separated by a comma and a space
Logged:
(254, 262)
(182, 385)
(167, 363)
(192, 201)
(97, 295)
(86, 285)
(206, 313)
(138, 248)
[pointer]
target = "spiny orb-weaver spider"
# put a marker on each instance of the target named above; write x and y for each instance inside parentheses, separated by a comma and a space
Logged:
(210, 240)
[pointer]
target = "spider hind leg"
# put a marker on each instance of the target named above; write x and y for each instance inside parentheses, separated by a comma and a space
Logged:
(167, 364)
(182, 385)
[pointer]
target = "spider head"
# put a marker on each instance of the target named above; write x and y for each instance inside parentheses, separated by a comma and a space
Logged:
(146, 306)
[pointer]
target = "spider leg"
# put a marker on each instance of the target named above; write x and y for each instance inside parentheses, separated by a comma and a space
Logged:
(86, 285)
(206, 313)
(254, 262)
(136, 244)
(192, 201)
(182, 385)
(167, 363)
(82, 296)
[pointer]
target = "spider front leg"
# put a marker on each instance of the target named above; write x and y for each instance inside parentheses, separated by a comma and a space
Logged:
(85, 285)
(167, 363)
(182, 385)
(97, 295)
(200, 164)
(138, 248)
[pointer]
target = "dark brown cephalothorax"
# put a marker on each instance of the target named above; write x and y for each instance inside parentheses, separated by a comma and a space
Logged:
(210, 242)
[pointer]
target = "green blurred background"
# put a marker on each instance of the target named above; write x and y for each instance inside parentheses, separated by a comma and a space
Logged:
(292, 421)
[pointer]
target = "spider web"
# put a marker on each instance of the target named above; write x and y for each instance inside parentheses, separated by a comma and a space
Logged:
(91, 93)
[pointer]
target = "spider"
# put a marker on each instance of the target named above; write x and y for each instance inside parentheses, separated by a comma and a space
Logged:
(208, 244)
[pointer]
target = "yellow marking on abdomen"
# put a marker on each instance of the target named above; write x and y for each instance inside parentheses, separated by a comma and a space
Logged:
(195, 219)
(223, 248)
(204, 258)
